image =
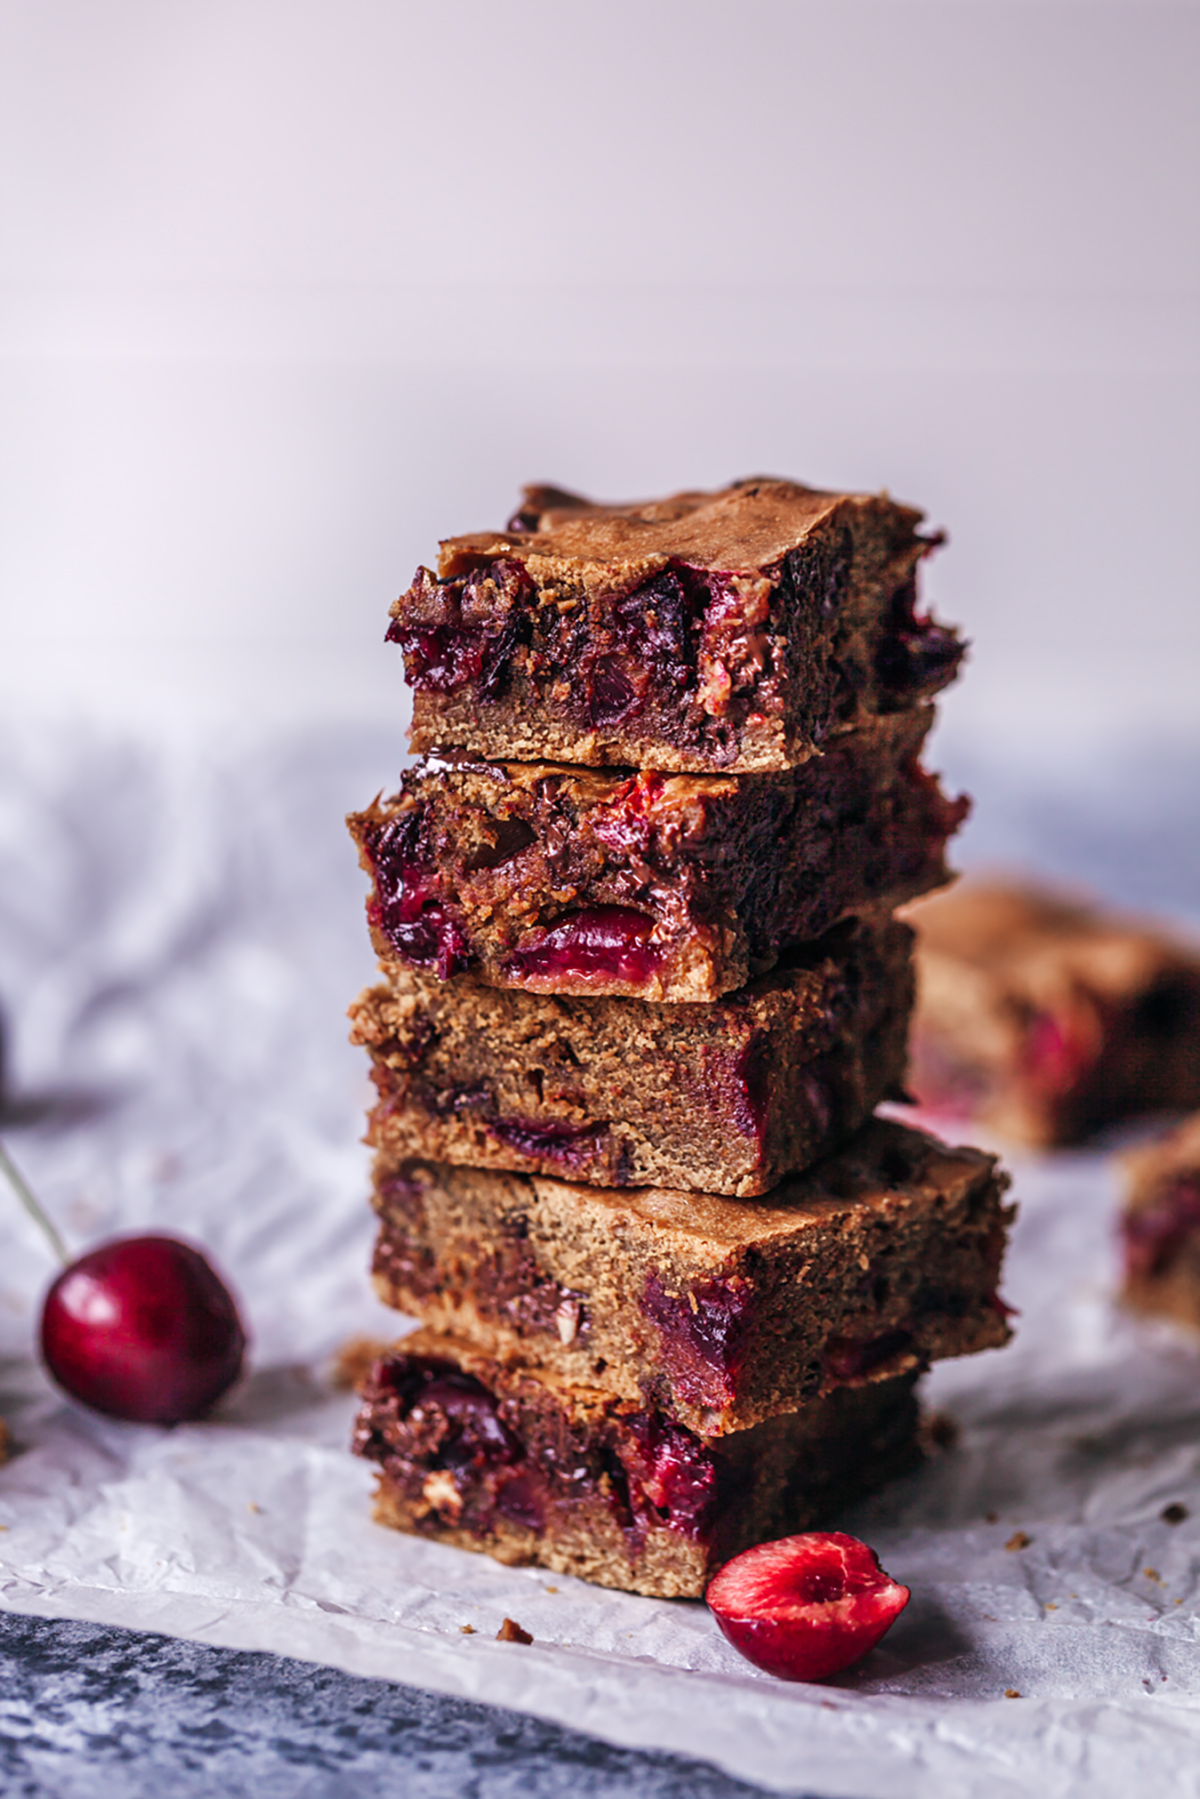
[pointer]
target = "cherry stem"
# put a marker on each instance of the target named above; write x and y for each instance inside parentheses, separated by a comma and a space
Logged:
(25, 1194)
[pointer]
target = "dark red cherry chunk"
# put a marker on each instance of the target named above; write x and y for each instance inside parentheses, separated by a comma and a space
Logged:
(703, 1333)
(143, 1329)
(571, 1144)
(805, 1607)
(598, 942)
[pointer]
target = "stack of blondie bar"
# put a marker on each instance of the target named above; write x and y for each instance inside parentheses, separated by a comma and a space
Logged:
(641, 992)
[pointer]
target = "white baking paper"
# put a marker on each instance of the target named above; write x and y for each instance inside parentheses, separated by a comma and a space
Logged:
(178, 938)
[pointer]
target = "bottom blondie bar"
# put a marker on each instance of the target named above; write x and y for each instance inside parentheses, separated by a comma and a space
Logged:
(488, 1455)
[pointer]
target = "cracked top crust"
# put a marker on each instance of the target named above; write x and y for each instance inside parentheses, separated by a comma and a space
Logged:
(748, 528)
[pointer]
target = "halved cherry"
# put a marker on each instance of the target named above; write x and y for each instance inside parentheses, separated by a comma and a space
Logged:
(807, 1606)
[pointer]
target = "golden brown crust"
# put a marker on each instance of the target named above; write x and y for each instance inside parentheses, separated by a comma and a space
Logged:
(748, 527)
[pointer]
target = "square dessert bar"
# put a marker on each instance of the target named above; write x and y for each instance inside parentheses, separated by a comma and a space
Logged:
(492, 1455)
(727, 1097)
(1160, 1229)
(716, 1312)
(661, 887)
(1047, 1018)
(730, 630)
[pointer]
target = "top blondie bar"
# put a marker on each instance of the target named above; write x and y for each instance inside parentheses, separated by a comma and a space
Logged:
(733, 630)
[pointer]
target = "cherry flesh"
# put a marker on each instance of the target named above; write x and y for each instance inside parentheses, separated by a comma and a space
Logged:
(605, 942)
(143, 1329)
(807, 1606)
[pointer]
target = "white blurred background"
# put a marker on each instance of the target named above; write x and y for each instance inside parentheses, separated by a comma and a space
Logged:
(293, 288)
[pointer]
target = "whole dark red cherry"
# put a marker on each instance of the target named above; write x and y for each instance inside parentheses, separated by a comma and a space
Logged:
(143, 1329)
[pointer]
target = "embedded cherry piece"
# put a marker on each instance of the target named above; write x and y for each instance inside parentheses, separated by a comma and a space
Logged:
(610, 942)
(805, 1607)
(143, 1329)
(669, 1468)
(571, 1144)
(703, 1334)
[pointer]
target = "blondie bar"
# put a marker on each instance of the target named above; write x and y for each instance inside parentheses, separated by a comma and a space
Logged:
(727, 1097)
(661, 887)
(1049, 1018)
(728, 630)
(1160, 1228)
(717, 1312)
(493, 1455)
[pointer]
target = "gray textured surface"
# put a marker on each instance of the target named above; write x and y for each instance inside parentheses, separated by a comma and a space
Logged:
(88, 1710)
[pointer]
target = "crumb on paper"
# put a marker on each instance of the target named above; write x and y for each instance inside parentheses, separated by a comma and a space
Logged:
(1153, 1574)
(1051, 1605)
(1020, 1539)
(991, 1517)
(1175, 1513)
(550, 1589)
(511, 1632)
(468, 1630)
(354, 1360)
(1011, 1693)
(252, 1505)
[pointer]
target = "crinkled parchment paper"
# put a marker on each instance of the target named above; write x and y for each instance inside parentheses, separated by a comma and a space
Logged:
(177, 944)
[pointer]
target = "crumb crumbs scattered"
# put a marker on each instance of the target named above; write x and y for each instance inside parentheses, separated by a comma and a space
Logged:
(1175, 1513)
(1011, 1693)
(252, 1505)
(1051, 1605)
(1153, 1574)
(991, 1517)
(511, 1632)
(1173, 1602)
(1020, 1539)
(353, 1362)
(468, 1630)
(550, 1589)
